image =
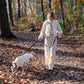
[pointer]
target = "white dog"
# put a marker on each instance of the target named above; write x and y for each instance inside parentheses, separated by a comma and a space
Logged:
(21, 61)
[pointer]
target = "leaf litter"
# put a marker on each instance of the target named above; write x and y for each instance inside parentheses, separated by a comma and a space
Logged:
(69, 61)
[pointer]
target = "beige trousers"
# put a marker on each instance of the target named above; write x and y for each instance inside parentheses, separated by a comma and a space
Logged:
(50, 51)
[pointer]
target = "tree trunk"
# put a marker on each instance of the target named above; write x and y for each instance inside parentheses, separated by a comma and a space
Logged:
(10, 12)
(37, 11)
(0, 26)
(42, 10)
(50, 4)
(62, 12)
(5, 28)
(25, 7)
(19, 16)
(74, 2)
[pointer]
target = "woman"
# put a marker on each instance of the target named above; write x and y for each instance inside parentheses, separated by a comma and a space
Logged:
(50, 29)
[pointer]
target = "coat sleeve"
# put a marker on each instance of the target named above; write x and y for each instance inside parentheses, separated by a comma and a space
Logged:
(59, 29)
(42, 33)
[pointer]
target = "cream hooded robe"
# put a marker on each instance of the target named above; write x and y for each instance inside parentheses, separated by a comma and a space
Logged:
(48, 31)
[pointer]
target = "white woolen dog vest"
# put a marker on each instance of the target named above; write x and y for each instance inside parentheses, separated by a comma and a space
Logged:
(19, 61)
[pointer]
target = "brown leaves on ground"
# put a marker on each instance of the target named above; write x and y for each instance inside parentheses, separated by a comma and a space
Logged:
(69, 61)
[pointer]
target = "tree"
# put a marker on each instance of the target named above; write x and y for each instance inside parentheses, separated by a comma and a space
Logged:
(10, 12)
(62, 12)
(42, 10)
(5, 28)
(50, 4)
(19, 16)
(25, 6)
(0, 25)
(74, 2)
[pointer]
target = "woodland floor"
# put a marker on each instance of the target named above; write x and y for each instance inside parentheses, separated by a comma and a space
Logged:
(69, 62)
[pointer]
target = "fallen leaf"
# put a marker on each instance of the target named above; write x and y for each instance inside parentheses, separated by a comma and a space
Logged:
(1, 40)
(28, 74)
(1, 77)
(73, 66)
(63, 82)
(13, 58)
(38, 63)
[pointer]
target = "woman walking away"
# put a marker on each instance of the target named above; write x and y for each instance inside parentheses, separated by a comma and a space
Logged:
(50, 29)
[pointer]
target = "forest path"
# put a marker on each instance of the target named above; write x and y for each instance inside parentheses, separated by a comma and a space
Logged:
(69, 61)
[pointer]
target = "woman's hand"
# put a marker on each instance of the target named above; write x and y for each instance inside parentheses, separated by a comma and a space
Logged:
(57, 33)
(39, 39)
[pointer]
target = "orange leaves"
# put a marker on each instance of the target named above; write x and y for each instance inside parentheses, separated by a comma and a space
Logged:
(56, 5)
(80, 61)
(66, 62)
(77, 1)
(46, 13)
(39, 62)
(73, 66)
(81, 73)
(53, 1)
(1, 79)
(1, 40)
(29, 74)
(13, 58)
(0, 59)
(63, 82)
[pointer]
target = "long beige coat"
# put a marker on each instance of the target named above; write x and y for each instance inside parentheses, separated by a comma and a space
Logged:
(48, 31)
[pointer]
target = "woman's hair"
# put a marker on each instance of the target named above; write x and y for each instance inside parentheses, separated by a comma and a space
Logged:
(51, 13)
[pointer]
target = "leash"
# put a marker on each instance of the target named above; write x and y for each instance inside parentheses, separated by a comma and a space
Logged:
(44, 44)
(33, 44)
(54, 40)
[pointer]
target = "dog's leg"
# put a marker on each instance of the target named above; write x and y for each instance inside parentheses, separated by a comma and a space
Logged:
(26, 66)
(23, 69)
(12, 69)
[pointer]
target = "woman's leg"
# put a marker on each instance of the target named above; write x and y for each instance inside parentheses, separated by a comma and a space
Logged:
(50, 53)
(47, 57)
(52, 57)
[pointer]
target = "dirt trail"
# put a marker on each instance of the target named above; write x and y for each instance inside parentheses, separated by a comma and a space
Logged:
(69, 61)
